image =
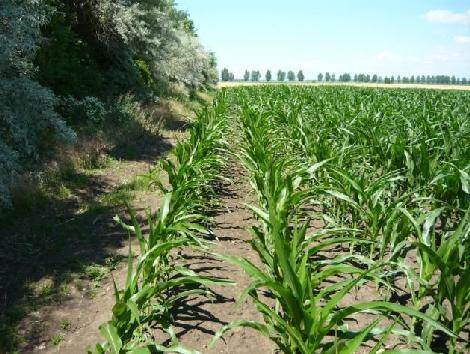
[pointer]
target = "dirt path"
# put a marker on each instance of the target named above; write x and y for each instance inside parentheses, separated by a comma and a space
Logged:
(74, 295)
(199, 319)
(70, 325)
(198, 322)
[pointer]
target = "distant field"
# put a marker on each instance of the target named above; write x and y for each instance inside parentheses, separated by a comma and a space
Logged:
(311, 83)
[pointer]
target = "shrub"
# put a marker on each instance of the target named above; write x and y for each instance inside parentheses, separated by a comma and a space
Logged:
(89, 109)
(27, 115)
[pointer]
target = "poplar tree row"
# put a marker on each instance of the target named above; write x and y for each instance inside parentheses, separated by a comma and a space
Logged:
(256, 76)
(281, 76)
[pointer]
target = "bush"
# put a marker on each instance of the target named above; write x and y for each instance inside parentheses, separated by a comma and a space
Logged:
(89, 109)
(27, 116)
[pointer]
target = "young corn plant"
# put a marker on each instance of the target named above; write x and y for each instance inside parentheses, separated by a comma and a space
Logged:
(444, 274)
(368, 203)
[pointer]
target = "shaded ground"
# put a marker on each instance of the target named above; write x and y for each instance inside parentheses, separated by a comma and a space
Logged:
(54, 258)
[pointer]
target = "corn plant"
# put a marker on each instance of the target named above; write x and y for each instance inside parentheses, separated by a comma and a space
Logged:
(444, 272)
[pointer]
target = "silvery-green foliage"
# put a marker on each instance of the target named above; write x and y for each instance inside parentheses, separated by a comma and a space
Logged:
(155, 32)
(20, 22)
(189, 61)
(27, 115)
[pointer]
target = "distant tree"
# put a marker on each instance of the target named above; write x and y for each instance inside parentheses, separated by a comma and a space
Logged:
(345, 77)
(225, 76)
(374, 78)
(246, 77)
(392, 80)
(368, 78)
(423, 79)
(327, 77)
(333, 77)
(412, 79)
(268, 76)
(398, 79)
(290, 75)
(387, 80)
(255, 75)
(320, 77)
(281, 75)
(231, 77)
(418, 79)
(300, 75)
(428, 79)
(464, 81)
(356, 77)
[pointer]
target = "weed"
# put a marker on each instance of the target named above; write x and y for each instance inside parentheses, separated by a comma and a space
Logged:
(57, 339)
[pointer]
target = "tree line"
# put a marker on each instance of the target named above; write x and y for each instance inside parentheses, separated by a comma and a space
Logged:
(281, 76)
(413, 79)
(255, 75)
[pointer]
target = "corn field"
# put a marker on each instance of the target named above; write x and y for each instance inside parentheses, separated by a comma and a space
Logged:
(362, 221)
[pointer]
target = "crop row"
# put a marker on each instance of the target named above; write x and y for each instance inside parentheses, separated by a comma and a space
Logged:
(155, 283)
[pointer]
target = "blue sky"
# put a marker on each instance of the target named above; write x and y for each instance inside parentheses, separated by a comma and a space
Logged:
(395, 37)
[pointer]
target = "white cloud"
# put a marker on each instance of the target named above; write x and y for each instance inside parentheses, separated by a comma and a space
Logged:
(462, 39)
(445, 16)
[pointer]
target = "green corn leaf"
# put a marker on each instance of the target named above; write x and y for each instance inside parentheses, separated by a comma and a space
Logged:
(350, 346)
(388, 307)
(236, 324)
(110, 333)
(260, 213)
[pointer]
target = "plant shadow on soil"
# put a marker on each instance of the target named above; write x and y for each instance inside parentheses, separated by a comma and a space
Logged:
(58, 238)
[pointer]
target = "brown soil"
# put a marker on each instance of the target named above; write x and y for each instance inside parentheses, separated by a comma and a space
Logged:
(200, 318)
(69, 324)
